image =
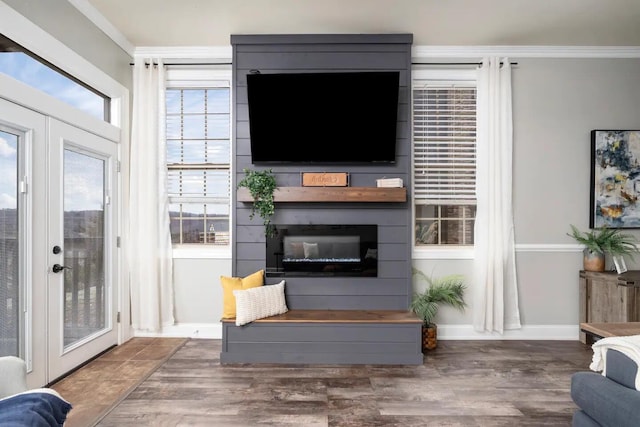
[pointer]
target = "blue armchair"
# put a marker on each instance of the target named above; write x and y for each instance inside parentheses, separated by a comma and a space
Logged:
(607, 401)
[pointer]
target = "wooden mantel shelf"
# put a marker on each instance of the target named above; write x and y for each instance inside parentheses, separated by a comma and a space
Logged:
(332, 194)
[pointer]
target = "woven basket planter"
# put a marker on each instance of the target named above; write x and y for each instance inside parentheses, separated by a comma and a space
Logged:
(429, 337)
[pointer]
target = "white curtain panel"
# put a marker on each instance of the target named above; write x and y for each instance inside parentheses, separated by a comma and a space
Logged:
(150, 260)
(495, 304)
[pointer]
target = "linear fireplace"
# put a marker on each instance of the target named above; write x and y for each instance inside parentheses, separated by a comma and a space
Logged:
(323, 250)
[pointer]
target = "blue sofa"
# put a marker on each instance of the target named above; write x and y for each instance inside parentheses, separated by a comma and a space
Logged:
(607, 401)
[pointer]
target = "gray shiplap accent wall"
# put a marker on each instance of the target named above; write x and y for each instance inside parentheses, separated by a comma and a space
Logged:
(392, 289)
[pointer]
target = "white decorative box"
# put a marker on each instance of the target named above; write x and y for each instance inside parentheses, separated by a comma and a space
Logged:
(389, 182)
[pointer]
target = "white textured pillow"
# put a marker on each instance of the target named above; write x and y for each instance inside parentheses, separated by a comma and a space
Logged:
(256, 303)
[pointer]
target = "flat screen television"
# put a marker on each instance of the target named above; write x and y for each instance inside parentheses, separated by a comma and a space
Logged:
(329, 118)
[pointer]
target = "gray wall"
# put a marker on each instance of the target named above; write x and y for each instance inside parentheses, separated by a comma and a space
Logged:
(300, 53)
(556, 103)
(64, 22)
(198, 293)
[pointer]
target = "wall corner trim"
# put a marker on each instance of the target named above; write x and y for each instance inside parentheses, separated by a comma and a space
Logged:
(215, 54)
(99, 20)
(426, 52)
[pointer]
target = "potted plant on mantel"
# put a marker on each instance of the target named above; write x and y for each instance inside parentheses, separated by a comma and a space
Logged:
(600, 241)
(261, 185)
(444, 290)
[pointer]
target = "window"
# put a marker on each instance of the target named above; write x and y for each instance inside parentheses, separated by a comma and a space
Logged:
(11, 217)
(198, 130)
(444, 159)
(25, 66)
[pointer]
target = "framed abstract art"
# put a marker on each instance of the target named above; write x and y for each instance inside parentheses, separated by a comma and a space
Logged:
(615, 179)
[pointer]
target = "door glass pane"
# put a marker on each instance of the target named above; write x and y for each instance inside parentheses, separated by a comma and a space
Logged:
(9, 250)
(84, 213)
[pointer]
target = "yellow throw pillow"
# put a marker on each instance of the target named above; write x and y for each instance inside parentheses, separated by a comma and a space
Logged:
(230, 284)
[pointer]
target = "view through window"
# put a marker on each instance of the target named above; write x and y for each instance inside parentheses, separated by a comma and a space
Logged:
(22, 65)
(198, 129)
(10, 313)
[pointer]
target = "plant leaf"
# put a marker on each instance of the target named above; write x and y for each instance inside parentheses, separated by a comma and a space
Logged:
(444, 290)
(609, 240)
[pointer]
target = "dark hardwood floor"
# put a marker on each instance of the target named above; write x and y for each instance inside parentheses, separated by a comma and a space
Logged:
(461, 383)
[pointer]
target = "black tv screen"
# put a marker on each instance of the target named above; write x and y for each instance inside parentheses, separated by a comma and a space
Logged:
(341, 117)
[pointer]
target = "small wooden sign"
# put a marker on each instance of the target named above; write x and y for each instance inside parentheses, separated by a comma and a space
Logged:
(325, 179)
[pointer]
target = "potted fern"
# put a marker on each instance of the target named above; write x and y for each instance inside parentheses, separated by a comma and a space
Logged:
(444, 290)
(598, 242)
(261, 185)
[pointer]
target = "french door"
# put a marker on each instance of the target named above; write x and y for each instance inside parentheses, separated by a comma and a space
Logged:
(81, 251)
(57, 242)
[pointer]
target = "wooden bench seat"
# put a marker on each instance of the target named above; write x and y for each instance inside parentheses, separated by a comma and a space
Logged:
(325, 336)
(340, 316)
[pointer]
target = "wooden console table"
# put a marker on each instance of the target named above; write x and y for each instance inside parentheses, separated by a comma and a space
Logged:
(596, 331)
(608, 297)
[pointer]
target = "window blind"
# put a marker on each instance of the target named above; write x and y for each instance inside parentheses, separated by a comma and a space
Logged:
(198, 132)
(444, 126)
(198, 142)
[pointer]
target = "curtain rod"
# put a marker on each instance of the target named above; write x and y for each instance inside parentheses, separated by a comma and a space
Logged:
(455, 63)
(186, 63)
(230, 63)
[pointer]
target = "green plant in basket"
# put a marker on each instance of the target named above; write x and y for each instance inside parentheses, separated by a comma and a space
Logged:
(606, 240)
(597, 242)
(447, 290)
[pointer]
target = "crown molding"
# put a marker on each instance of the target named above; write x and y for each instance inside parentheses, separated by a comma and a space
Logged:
(425, 52)
(213, 54)
(103, 24)
(224, 53)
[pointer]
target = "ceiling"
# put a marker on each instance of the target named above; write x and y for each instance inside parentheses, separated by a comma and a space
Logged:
(170, 23)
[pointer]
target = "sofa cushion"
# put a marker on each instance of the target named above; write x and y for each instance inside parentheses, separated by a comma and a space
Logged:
(604, 400)
(36, 408)
(621, 369)
(13, 375)
(581, 419)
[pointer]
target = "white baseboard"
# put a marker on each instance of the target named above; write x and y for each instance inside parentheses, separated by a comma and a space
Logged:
(445, 332)
(527, 332)
(186, 330)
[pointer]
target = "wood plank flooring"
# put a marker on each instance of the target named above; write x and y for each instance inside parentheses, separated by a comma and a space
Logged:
(98, 386)
(461, 383)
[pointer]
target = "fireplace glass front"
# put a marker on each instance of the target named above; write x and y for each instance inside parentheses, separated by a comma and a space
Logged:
(323, 250)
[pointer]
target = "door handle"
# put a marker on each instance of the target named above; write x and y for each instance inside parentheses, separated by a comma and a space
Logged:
(57, 268)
